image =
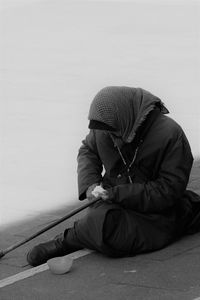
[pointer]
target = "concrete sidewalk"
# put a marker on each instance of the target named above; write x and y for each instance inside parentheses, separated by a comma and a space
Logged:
(171, 273)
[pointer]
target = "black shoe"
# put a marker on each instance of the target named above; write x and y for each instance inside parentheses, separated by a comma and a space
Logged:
(42, 252)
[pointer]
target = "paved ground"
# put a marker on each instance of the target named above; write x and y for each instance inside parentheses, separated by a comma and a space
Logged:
(172, 273)
(169, 274)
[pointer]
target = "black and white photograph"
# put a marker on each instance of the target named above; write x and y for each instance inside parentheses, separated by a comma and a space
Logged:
(99, 149)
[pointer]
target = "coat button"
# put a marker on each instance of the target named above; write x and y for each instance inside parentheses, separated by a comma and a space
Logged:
(119, 176)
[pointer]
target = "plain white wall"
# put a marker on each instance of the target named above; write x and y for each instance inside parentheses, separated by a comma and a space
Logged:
(56, 55)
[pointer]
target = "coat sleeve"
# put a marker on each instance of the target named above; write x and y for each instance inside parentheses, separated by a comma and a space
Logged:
(166, 190)
(89, 165)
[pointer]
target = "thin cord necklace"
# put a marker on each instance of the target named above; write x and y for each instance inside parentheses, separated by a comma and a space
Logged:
(125, 163)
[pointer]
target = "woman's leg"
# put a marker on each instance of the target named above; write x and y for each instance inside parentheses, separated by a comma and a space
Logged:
(111, 230)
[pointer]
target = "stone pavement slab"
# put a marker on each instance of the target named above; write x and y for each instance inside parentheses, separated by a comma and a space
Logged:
(186, 244)
(171, 273)
(97, 277)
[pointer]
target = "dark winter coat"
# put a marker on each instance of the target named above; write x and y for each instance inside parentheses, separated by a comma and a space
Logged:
(159, 174)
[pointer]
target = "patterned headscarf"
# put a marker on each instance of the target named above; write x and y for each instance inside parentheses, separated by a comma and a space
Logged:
(124, 109)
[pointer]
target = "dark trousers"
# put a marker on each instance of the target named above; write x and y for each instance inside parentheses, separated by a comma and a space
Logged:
(118, 232)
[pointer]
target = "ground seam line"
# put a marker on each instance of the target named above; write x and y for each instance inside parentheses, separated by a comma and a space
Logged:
(31, 272)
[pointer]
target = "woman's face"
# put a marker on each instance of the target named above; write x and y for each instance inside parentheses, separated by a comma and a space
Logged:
(117, 138)
(116, 134)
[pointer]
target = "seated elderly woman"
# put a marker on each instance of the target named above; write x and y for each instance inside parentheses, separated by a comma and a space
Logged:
(137, 162)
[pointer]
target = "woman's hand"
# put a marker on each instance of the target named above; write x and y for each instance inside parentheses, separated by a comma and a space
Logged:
(95, 191)
(100, 192)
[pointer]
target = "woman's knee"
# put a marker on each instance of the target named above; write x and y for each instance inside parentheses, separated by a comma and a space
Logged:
(111, 222)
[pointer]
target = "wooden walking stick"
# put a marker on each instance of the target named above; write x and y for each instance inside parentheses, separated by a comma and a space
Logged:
(67, 216)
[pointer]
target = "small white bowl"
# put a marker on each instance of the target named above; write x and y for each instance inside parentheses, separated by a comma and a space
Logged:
(60, 265)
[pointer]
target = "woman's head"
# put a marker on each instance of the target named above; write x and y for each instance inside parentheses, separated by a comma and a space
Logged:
(122, 110)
